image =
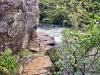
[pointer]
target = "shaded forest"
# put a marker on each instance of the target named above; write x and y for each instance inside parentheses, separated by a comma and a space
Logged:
(68, 12)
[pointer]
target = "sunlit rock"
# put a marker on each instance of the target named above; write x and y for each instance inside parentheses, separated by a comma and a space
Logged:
(39, 66)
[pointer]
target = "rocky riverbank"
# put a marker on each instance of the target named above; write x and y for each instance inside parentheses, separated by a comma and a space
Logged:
(38, 63)
(18, 24)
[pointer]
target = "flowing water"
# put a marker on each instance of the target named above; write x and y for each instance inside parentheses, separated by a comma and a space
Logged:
(52, 30)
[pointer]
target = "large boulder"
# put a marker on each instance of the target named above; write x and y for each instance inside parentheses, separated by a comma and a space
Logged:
(18, 23)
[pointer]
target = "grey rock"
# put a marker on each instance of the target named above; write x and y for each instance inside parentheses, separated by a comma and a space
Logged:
(18, 23)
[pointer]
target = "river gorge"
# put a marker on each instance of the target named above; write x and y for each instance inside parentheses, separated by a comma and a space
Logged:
(33, 45)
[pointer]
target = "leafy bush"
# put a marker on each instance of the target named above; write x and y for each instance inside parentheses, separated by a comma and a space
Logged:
(7, 63)
(82, 48)
(58, 63)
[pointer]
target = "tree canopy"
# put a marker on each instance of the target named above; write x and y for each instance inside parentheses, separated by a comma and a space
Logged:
(68, 12)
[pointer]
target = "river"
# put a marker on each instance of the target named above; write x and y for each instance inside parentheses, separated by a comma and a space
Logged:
(52, 30)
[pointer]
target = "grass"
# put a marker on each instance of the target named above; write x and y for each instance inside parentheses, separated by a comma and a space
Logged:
(25, 52)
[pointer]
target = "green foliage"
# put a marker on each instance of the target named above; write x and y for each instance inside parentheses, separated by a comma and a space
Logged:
(59, 67)
(82, 48)
(64, 12)
(7, 63)
(57, 60)
(51, 11)
(25, 52)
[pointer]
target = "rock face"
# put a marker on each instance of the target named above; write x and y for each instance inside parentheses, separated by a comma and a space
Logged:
(18, 23)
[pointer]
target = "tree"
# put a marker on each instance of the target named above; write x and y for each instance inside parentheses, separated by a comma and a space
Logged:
(82, 49)
(72, 12)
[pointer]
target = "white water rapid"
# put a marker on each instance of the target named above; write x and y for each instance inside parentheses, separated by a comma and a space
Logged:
(52, 30)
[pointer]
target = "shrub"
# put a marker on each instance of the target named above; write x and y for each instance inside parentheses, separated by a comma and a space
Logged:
(82, 49)
(7, 63)
(58, 63)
